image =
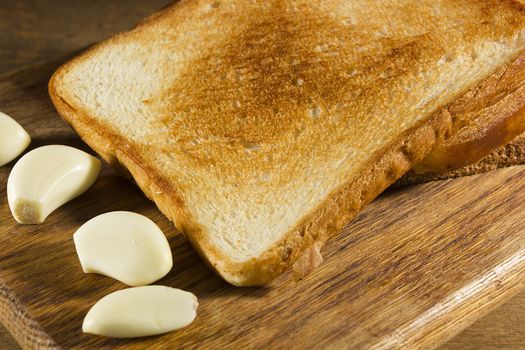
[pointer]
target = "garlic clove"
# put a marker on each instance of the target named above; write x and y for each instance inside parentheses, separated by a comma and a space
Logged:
(14, 139)
(46, 178)
(140, 312)
(124, 245)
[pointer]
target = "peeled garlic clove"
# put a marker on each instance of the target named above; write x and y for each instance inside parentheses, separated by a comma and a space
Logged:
(140, 312)
(13, 139)
(46, 178)
(123, 245)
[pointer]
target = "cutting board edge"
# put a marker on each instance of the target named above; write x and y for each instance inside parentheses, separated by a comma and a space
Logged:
(505, 281)
(24, 329)
(30, 334)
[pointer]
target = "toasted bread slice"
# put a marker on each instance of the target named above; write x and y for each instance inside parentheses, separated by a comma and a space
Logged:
(487, 117)
(260, 128)
(510, 154)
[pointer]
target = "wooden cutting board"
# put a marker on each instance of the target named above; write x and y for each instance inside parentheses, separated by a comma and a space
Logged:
(413, 269)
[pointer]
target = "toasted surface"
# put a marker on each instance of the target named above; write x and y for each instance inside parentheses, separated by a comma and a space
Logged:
(260, 128)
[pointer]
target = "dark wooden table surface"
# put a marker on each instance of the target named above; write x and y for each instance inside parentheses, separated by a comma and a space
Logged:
(37, 30)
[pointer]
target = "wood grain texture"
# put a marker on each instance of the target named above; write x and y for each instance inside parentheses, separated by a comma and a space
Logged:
(35, 30)
(502, 329)
(415, 276)
(6, 340)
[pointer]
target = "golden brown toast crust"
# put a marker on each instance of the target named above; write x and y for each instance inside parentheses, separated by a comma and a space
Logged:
(504, 156)
(485, 118)
(382, 168)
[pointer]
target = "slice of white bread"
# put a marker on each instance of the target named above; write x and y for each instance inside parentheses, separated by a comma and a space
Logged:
(262, 127)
